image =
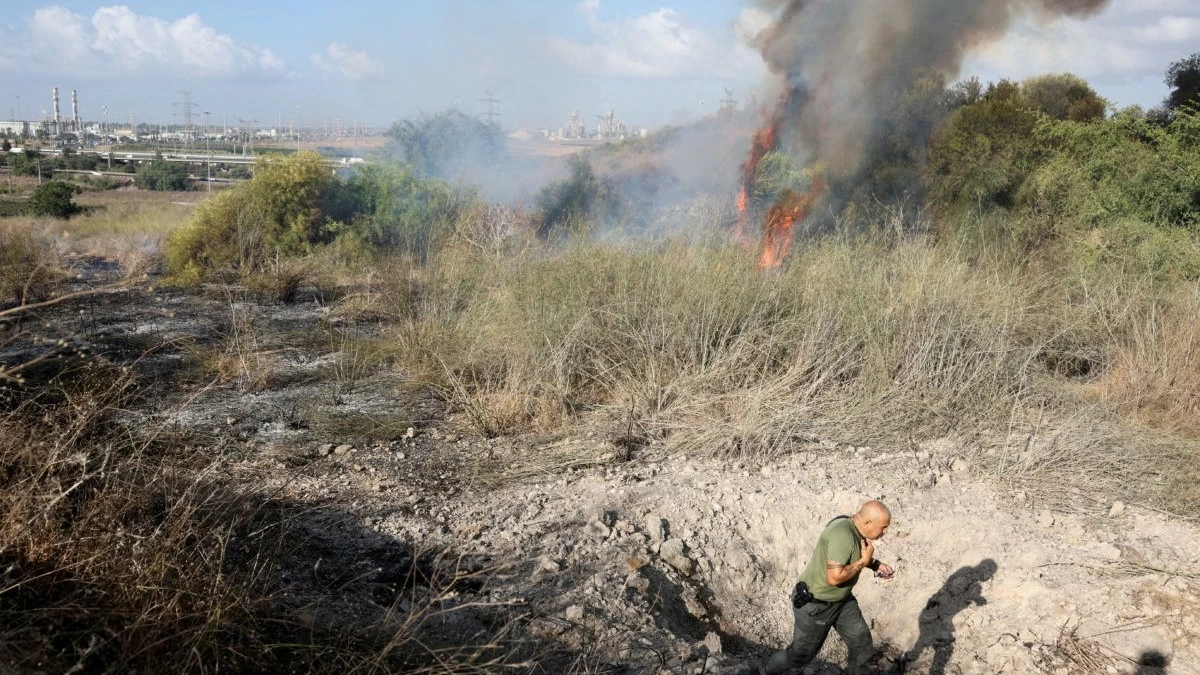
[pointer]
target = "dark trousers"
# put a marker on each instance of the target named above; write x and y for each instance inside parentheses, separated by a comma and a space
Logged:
(813, 622)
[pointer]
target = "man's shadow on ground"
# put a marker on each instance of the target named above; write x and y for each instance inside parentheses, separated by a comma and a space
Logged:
(1152, 663)
(963, 588)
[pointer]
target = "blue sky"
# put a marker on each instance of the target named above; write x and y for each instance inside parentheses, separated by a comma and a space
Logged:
(655, 62)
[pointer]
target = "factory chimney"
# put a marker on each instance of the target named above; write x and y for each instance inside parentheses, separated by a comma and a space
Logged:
(75, 112)
(57, 130)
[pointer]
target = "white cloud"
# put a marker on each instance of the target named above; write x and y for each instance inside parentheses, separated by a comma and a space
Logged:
(116, 40)
(658, 44)
(1134, 40)
(353, 64)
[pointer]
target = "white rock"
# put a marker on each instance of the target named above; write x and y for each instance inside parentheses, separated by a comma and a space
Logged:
(673, 552)
(637, 582)
(574, 613)
(656, 527)
(1118, 509)
(597, 529)
(1045, 518)
(343, 449)
(713, 642)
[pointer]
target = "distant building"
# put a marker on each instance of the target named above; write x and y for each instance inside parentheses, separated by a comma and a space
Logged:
(20, 128)
(574, 130)
(608, 129)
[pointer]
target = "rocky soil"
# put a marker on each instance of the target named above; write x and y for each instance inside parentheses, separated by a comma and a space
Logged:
(637, 560)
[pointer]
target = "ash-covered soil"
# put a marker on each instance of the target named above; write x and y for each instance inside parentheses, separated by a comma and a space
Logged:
(627, 558)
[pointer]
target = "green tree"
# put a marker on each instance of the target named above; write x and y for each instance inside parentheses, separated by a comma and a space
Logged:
(1064, 97)
(898, 152)
(1183, 77)
(567, 203)
(54, 199)
(440, 145)
(30, 163)
(6, 146)
(984, 152)
(159, 174)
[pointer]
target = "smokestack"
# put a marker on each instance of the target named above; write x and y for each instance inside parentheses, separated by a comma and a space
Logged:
(75, 110)
(54, 92)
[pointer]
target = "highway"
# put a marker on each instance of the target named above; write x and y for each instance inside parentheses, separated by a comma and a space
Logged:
(193, 158)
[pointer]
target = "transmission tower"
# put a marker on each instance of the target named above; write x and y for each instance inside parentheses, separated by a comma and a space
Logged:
(248, 129)
(188, 107)
(491, 101)
(728, 105)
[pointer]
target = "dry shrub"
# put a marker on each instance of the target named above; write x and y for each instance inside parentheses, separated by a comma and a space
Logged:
(1154, 376)
(281, 278)
(30, 267)
(114, 561)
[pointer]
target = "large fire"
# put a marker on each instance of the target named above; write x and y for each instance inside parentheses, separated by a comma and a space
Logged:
(788, 209)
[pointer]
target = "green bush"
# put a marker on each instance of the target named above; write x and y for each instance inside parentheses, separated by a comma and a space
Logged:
(1126, 168)
(54, 199)
(295, 204)
(565, 205)
(391, 208)
(1147, 251)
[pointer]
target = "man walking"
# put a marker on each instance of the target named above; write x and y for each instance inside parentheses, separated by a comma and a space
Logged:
(823, 597)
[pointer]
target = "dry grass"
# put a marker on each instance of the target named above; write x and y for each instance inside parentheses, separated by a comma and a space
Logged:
(129, 228)
(1154, 369)
(1089, 373)
(699, 344)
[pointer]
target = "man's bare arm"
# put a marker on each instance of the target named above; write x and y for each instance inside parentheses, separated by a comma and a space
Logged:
(837, 573)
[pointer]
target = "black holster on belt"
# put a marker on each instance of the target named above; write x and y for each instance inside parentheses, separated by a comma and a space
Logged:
(801, 596)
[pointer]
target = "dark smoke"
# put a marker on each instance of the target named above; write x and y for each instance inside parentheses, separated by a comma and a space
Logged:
(842, 61)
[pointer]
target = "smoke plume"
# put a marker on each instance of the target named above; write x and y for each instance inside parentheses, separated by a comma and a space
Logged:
(841, 61)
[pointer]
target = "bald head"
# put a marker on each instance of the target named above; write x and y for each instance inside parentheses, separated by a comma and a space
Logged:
(872, 519)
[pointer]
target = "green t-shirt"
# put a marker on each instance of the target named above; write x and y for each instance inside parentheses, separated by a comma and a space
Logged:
(841, 543)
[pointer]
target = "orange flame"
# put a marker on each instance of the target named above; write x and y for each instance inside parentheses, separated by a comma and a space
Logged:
(788, 208)
(781, 219)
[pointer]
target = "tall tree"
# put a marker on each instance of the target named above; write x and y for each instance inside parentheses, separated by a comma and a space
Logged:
(1064, 97)
(442, 145)
(1183, 77)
